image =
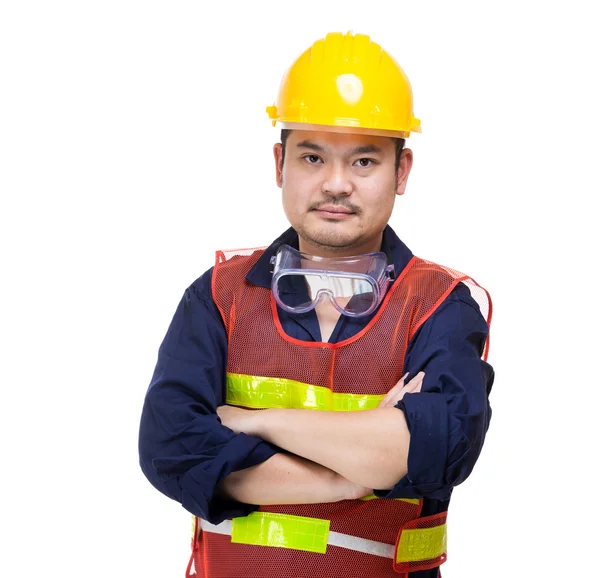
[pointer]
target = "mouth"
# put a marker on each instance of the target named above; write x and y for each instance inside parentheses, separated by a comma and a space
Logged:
(333, 212)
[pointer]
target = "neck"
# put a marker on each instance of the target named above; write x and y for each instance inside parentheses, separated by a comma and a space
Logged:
(370, 246)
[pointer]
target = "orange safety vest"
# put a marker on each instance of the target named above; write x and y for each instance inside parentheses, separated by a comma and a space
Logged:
(267, 368)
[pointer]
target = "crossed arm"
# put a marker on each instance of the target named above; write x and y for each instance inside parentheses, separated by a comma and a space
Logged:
(332, 455)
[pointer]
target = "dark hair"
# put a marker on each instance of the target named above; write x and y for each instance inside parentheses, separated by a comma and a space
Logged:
(399, 142)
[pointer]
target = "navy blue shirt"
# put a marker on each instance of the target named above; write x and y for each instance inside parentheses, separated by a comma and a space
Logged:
(185, 451)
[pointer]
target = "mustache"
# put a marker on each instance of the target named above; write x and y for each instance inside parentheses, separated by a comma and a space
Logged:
(336, 203)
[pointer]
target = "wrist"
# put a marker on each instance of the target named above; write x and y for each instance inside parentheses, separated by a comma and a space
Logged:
(254, 423)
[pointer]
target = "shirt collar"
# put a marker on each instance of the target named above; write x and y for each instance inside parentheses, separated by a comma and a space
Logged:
(260, 274)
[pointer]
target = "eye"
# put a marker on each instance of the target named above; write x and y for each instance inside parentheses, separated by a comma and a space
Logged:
(365, 163)
(312, 159)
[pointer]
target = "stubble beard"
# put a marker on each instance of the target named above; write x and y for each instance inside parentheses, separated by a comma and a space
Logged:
(326, 237)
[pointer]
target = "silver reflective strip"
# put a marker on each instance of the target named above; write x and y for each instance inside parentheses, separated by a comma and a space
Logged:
(361, 545)
(224, 528)
(334, 539)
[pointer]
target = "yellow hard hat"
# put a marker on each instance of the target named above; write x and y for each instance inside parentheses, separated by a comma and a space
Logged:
(343, 82)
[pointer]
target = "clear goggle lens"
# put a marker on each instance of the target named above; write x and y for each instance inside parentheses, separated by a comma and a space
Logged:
(301, 281)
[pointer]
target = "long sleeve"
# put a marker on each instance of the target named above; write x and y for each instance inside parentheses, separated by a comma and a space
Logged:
(449, 418)
(184, 450)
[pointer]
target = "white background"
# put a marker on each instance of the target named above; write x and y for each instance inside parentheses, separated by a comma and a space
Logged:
(134, 142)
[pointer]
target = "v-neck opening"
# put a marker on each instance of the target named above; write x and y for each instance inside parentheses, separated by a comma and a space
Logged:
(367, 323)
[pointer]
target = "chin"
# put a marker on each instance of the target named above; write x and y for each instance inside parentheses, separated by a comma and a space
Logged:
(331, 238)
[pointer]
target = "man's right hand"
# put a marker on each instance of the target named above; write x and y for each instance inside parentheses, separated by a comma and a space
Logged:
(400, 389)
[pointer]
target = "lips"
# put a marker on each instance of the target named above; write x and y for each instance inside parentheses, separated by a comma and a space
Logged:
(334, 209)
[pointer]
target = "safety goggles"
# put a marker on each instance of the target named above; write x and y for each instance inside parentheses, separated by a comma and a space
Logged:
(354, 285)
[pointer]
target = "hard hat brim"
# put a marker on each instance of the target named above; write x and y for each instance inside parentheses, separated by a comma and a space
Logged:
(346, 129)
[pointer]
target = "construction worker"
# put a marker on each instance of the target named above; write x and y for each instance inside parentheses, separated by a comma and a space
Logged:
(336, 315)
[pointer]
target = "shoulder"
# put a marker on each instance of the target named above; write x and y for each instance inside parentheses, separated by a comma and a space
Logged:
(459, 317)
(461, 297)
(463, 290)
(464, 310)
(200, 289)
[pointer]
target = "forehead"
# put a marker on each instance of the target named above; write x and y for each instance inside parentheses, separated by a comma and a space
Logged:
(337, 142)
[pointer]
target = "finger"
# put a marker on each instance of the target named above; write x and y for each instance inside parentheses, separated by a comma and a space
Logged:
(415, 383)
(397, 393)
(388, 397)
(402, 387)
(416, 388)
(417, 379)
(399, 385)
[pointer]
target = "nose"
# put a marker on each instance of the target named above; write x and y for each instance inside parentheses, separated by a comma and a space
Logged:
(337, 180)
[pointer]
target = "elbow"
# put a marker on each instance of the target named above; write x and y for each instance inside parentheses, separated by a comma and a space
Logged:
(466, 441)
(166, 485)
(461, 461)
(150, 453)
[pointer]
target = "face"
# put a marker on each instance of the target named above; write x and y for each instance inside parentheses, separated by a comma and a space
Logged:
(339, 189)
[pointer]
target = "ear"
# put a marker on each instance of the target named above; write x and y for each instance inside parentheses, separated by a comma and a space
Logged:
(278, 156)
(406, 161)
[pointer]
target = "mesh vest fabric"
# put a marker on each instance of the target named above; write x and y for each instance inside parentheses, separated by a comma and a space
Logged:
(369, 363)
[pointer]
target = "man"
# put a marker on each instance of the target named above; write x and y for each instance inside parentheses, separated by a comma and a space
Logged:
(336, 315)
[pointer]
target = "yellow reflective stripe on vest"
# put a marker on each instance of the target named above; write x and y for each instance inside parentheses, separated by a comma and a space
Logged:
(421, 544)
(268, 392)
(281, 531)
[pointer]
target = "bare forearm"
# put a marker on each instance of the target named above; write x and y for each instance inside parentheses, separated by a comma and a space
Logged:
(287, 479)
(368, 447)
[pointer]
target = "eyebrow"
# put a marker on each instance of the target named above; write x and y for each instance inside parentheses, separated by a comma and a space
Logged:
(366, 149)
(306, 144)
